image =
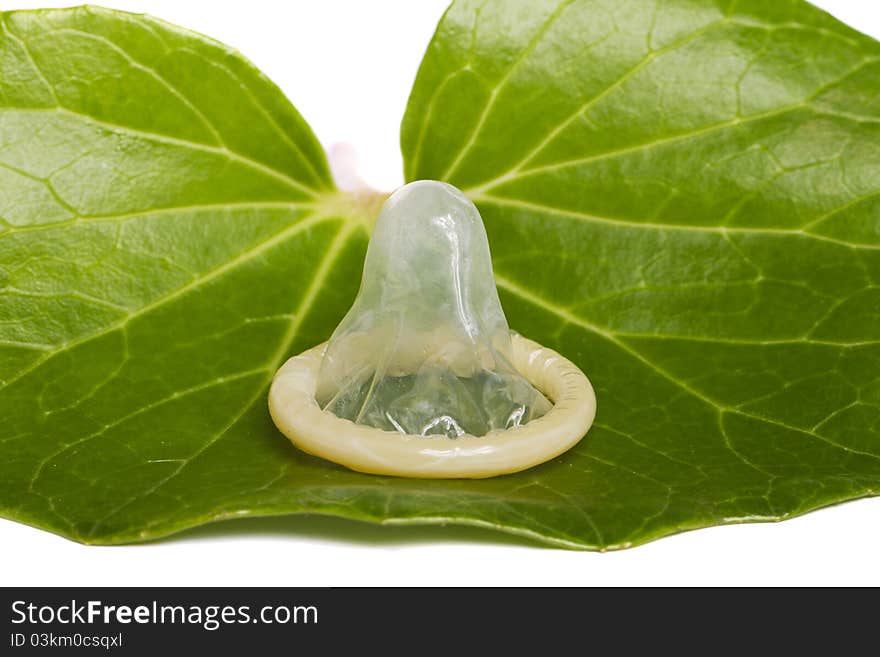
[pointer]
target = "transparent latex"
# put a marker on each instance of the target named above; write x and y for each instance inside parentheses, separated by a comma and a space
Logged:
(426, 349)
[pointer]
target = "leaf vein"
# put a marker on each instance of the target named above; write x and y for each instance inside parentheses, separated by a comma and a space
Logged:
(200, 280)
(306, 304)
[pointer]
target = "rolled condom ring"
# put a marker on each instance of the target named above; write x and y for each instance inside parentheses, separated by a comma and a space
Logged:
(423, 377)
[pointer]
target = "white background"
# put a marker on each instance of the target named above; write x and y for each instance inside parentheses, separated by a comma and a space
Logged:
(348, 66)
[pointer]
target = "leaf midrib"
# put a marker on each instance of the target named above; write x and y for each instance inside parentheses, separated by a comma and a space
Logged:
(697, 228)
(175, 141)
(80, 219)
(515, 171)
(177, 94)
(273, 240)
(306, 304)
(720, 408)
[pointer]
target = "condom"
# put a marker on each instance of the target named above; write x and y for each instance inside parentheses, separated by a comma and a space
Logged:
(423, 376)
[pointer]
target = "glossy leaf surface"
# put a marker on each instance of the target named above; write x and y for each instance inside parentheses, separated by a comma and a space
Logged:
(681, 197)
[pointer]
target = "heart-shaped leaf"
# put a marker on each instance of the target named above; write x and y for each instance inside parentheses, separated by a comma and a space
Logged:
(170, 235)
(682, 197)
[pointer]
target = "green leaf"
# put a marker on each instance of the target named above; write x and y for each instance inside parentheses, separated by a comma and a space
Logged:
(682, 198)
(170, 234)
